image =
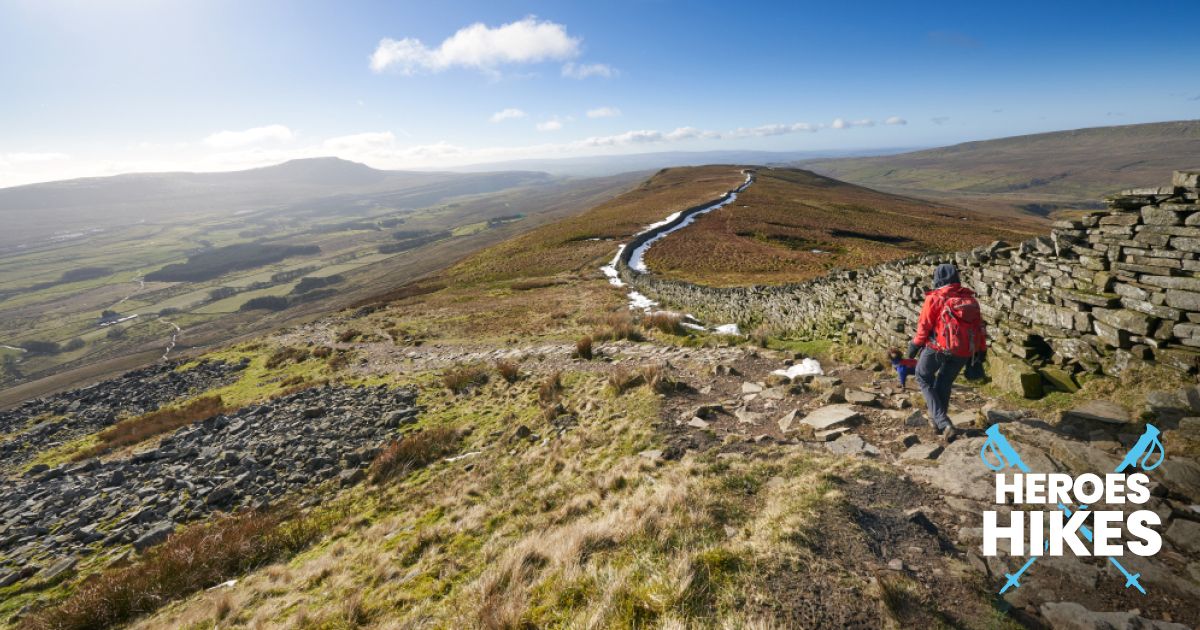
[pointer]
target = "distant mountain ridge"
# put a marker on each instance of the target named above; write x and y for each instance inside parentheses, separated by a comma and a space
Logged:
(35, 211)
(1082, 164)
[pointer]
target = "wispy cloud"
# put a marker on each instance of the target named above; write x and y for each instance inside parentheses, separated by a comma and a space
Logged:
(366, 141)
(763, 131)
(841, 123)
(248, 137)
(939, 120)
(554, 124)
(584, 70)
(480, 47)
(603, 112)
(507, 114)
(895, 120)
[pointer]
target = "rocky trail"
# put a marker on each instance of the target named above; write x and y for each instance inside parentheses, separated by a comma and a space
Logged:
(920, 518)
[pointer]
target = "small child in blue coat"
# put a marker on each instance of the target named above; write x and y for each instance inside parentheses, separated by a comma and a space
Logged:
(904, 367)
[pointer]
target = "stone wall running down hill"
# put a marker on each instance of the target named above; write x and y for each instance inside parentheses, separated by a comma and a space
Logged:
(1099, 294)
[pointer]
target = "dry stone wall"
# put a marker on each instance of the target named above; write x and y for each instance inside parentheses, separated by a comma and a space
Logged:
(1101, 293)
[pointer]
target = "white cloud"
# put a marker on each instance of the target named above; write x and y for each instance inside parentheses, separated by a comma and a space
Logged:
(507, 114)
(584, 70)
(603, 112)
(840, 123)
(553, 124)
(256, 135)
(772, 130)
(7, 159)
(480, 47)
(895, 120)
(690, 133)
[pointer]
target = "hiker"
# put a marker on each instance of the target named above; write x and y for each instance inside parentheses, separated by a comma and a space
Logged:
(952, 334)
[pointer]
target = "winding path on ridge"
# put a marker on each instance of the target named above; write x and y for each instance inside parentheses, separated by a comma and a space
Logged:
(641, 242)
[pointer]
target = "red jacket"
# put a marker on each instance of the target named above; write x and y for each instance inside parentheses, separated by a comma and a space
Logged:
(931, 312)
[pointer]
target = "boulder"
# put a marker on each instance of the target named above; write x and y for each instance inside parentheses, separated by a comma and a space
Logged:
(832, 416)
(697, 423)
(922, 452)
(1073, 616)
(1015, 377)
(785, 423)
(851, 444)
(154, 535)
(1059, 379)
(1185, 535)
(858, 397)
(1103, 411)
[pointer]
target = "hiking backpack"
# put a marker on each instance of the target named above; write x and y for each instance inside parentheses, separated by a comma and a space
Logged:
(960, 330)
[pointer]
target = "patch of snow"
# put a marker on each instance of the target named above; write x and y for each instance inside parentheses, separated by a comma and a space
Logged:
(610, 270)
(637, 300)
(803, 368)
(693, 326)
(727, 329)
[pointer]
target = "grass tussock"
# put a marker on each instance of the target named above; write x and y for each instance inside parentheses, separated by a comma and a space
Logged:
(659, 378)
(463, 379)
(623, 379)
(583, 348)
(508, 370)
(551, 388)
(193, 559)
(413, 451)
(141, 428)
(618, 326)
(665, 322)
(348, 335)
(287, 354)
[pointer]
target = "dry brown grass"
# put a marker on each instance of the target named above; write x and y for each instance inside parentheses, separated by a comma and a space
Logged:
(413, 451)
(570, 244)
(190, 560)
(621, 379)
(508, 370)
(665, 322)
(769, 235)
(287, 354)
(658, 377)
(551, 388)
(617, 326)
(463, 379)
(141, 428)
(583, 348)
(348, 335)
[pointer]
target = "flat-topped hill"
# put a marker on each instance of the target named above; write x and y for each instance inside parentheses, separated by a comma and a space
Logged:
(1080, 164)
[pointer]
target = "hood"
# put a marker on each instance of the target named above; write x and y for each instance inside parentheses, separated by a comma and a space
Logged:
(945, 274)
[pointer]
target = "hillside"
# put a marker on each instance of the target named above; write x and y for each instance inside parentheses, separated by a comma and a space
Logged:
(200, 271)
(1053, 169)
(36, 212)
(508, 445)
(793, 225)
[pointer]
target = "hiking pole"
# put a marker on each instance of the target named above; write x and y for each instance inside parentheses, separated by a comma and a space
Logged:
(1131, 579)
(1006, 457)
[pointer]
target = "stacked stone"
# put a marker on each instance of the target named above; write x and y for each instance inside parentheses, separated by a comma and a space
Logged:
(1101, 293)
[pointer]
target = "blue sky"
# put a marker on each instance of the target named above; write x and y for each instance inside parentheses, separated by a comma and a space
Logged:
(99, 87)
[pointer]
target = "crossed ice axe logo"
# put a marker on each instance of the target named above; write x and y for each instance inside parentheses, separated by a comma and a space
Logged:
(1148, 446)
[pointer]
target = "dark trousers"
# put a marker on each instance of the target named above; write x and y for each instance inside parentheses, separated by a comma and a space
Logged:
(936, 372)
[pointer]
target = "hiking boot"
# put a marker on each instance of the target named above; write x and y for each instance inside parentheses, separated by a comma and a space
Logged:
(949, 433)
